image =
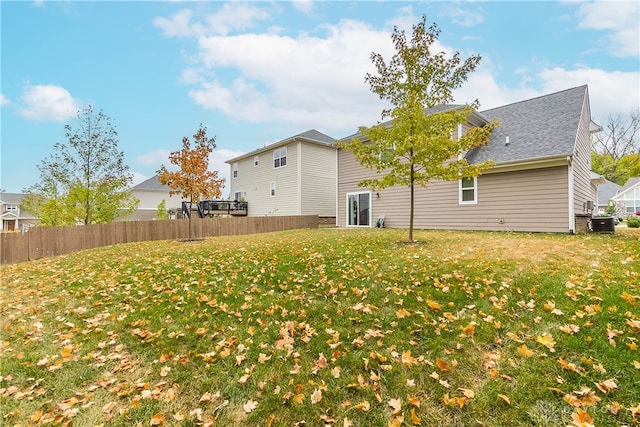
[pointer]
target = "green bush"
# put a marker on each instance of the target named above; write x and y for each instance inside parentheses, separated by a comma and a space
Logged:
(633, 222)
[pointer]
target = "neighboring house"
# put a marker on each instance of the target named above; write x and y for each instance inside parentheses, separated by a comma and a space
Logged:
(628, 198)
(150, 193)
(606, 192)
(14, 218)
(295, 176)
(541, 180)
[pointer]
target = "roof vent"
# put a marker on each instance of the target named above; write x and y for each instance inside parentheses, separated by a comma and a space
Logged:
(506, 142)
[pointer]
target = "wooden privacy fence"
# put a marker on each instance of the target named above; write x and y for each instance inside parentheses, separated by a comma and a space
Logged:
(41, 242)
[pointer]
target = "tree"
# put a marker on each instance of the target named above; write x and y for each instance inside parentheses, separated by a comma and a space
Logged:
(161, 210)
(616, 150)
(194, 181)
(417, 147)
(86, 180)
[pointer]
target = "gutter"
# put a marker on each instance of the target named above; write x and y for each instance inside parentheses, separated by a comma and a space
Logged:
(537, 163)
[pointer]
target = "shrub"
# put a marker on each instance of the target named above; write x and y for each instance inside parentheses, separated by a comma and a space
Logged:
(633, 222)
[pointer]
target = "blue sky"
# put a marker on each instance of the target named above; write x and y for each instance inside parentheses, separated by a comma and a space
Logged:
(259, 72)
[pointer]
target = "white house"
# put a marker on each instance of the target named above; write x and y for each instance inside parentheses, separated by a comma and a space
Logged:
(151, 193)
(295, 176)
(628, 198)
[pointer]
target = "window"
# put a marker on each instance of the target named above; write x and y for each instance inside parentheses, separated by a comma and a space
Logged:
(234, 167)
(468, 191)
(273, 189)
(280, 157)
(238, 196)
(11, 208)
(359, 209)
(256, 160)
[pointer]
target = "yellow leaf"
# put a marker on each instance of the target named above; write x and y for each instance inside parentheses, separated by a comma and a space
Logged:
(505, 398)
(298, 398)
(347, 422)
(364, 406)
(469, 330)
(468, 393)
(582, 419)
(407, 359)
(442, 365)
(434, 305)
(524, 351)
(547, 340)
(402, 313)
(414, 418)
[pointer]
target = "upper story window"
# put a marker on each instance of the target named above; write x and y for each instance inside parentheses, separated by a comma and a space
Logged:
(280, 157)
(468, 191)
(11, 208)
(256, 160)
(234, 169)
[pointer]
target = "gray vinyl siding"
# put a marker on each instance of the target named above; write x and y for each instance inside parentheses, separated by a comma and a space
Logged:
(583, 190)
(317, 180)
(532, 200)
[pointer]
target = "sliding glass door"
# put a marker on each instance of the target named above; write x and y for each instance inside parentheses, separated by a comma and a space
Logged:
(359, 209)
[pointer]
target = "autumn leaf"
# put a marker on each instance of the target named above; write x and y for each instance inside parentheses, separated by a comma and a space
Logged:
(414, 418)
(396, 406)
(442, 365)
(298, 398)
(364, 406)
(607, 385)
(316, 396)
(434, 305)
(524, 351)
(581, 418)
(158, 419)
(402, 313)
(413, 401)
(249, 406)
(407, 359)
(547, 340)
(505, 398)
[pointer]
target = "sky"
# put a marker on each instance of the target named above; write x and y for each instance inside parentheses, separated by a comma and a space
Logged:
(259, 72)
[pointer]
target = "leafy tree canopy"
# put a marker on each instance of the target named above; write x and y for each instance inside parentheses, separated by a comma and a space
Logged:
(416, 146)
(84, 180)
(616, 150)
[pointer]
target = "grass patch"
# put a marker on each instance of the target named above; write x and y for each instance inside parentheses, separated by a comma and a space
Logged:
(327, 327)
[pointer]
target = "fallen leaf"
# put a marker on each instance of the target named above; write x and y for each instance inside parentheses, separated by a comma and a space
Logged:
(414, 418)
(249, 406)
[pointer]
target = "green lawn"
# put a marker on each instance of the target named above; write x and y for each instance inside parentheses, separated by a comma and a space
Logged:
(327, 327)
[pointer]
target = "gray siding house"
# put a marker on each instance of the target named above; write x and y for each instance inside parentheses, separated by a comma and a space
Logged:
(541, 182)
(150, 193)
(295, 176)
(14, 218)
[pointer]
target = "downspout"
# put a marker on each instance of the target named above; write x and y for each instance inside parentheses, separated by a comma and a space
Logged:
(299, 180)
(572, 215)
(337, 186)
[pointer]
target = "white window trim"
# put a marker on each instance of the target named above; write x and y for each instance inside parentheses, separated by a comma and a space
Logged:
(347, 209)
(286, 154)
(272, 189)
(234, 170)
(475, 193)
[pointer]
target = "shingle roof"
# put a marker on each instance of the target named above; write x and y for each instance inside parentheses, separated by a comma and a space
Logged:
(310, 135)
(630, 183)
(11, 198)
(606, 192)
(151, 184)
(540, 127)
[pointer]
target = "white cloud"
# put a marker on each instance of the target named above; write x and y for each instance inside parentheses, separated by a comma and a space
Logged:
(48, 103)
(619, 19)
(4, 100)
(232, 16)
(610, 92)
(304, 6)
(463, 16)
(154, 158)
(303, 80)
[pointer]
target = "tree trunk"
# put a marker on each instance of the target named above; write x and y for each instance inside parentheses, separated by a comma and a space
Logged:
(190, 215)
(411, 179)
